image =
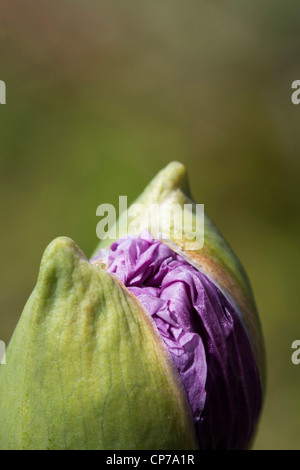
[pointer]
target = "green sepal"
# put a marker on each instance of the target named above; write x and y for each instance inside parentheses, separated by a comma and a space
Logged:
(86, 367)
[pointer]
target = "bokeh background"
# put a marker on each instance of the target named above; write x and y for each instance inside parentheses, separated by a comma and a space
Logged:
(103, 94)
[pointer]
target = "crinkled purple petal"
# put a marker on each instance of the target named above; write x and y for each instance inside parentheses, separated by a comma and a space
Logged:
(204, 335)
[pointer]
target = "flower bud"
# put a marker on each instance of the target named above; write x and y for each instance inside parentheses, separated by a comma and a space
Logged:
(150, 345)
(226, 385)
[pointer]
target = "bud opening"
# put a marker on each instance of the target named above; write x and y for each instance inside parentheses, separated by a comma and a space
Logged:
(203, 332)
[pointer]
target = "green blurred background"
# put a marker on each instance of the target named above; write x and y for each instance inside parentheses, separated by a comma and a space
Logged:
(103, 94)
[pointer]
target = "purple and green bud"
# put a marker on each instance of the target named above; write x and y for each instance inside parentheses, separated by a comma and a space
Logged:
(206, 337)
(148, 345)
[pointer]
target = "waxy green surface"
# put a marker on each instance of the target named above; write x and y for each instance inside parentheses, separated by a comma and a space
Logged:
(86, 367)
